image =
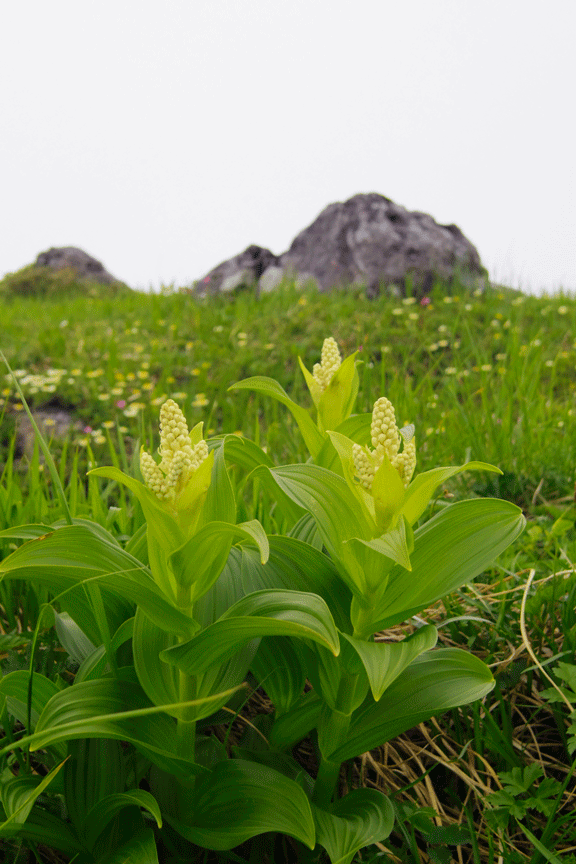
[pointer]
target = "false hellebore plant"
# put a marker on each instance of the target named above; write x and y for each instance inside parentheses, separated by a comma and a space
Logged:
(168, 628)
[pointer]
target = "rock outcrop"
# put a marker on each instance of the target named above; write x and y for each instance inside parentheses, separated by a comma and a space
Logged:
(367, 240)
(70, 257)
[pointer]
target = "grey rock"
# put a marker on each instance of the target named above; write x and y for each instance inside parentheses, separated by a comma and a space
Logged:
(271, 278)
(76, 259)
(244, 269)
(368, 241)
(53, 424)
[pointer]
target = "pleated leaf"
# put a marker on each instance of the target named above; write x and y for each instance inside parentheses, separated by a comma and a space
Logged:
(385, 661)
(113, 708)
(264, 613)
(70, 555)
(280, 670)
(107, 808)
(451, 549)
(363, 817)
(140, 849)
(293, 565)
(242, 799)
(433, 683)
(293, 726)
(18, 795)
(422, 488)
(199, 562)
(85, 783)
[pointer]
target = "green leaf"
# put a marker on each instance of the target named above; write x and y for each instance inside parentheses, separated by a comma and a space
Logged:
(95, 664)
(280, 670)
(271, 612)
(113, 708)
(85, 783)
(363, 817)
(160, 681)
(336, 510)
(337, 400)
(433, 683)
(220, 504)
(241, 799)
(295, 566)
(385, 661)
(199, 562)
(140, 849)
(71, 637)
(25, 532)
(14, 688)
(107, 808)
(422, 488)
(313, 438)
(293, 726)
(51, 831)
(73, 554)
(18, 796)
(451, 549)
(242, 452)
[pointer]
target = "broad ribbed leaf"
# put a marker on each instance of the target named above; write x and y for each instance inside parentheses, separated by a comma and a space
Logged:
(71, 637)
(85, 781)
(422, 488)
(295, 566)
(242, 451)
(113, 708)
(264, 613)
(336, 510)
(220, 503)
(385, 661)
(313, 438)
(107, 808)
(140, 849)
(199, 562)
(451, 549)
(70, 555)
(25, 532)
(241, 799)
(95, 664)
(433, 683)
(293, 726)
(280, 670)
(51, 831)
(160, 681)
(18, 796)
(363, 817)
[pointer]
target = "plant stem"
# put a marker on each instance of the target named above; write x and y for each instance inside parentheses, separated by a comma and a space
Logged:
(186, 729)
(335, 728)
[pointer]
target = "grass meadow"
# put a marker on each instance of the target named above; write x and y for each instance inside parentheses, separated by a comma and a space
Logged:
(483, 376)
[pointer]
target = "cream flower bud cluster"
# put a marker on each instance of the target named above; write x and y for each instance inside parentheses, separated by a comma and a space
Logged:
(385, 440)
(330, 360)
(179, 459)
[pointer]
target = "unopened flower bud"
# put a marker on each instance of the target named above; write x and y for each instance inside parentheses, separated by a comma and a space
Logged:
(330, 360)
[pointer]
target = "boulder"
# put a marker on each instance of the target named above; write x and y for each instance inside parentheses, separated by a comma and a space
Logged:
(367, 240)
(70, 257)
(244, 269)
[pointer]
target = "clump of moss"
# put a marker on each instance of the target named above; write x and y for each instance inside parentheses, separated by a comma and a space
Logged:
(37, 281)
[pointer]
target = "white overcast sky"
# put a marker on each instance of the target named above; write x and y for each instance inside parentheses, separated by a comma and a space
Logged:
(163, 137)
